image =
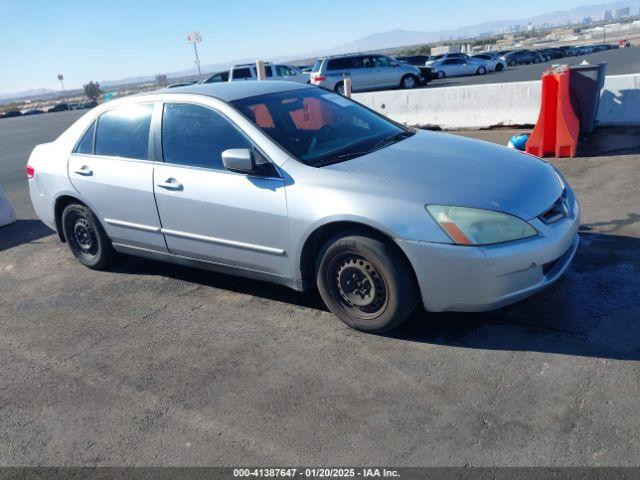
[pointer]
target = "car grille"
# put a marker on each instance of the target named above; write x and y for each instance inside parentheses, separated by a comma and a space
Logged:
(559, 210)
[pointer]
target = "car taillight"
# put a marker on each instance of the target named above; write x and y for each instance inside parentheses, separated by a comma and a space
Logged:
(30, 172)
(318, 78)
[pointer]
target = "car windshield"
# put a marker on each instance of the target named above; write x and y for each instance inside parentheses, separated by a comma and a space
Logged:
(320, 127)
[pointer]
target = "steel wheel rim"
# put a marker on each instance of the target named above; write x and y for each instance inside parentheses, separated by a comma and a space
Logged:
(84, 236)
(357, 285)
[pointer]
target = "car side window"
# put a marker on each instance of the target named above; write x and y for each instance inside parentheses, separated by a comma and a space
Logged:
(241, 73)
(196, 136)
(267, 71)
(284, 71)
(124, 132)
(85, 145)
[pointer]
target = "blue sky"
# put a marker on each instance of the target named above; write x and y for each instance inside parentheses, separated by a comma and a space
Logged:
(110, 40)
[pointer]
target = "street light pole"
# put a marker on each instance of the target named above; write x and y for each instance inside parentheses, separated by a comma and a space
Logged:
(64, 94)
(195, 49)
(195, 37)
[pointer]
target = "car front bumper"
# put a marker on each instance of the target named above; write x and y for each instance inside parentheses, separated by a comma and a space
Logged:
(474, 279)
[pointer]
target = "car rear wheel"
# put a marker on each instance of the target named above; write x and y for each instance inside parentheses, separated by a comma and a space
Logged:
(481, 71)
(366, 282)
(513, 63)
(499, 67)
(441, 75)
(86, 238)
(409, 81)
(339, 88)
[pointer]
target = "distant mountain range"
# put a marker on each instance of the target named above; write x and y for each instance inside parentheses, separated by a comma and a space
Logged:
(379, 41)
(401, 38)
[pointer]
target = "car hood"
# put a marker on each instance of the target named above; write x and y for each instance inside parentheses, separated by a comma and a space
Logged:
(446, 169)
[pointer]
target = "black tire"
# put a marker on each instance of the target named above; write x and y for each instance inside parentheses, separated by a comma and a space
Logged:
(481, 71)
(513, 63)
(499, 67)
(409, 82)
(86, 238)
(441, 75)
(366, 282)
(339, 88)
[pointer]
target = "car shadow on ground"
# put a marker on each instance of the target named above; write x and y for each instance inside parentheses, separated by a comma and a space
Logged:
(593, 310)
(22, 231)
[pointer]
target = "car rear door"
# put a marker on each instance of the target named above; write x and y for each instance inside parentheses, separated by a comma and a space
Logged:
(111, 169)
(208, 212)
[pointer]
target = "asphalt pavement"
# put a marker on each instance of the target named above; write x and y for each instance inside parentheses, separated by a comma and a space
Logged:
(154, 364)
(619, 62)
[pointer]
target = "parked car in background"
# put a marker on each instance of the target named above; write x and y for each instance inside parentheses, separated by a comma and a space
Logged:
(552, 53)
(12, 113)
(455, 67)
(367, 72)
(272, 72)
(33, 111)
(569, 51)
(540, 57)
(446, 56)
(292, 184)
(217, 77)
(520, 57)
(59, 107)
(181, 84)
(419, 61)
(493, 63)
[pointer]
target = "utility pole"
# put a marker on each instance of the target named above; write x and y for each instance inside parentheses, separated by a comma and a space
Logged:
(64, 93)
(194, 38)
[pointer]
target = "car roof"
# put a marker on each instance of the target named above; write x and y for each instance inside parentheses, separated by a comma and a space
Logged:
(230, 91)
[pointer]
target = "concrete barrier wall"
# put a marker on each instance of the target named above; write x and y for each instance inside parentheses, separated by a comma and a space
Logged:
(495, 104)
(7, 214)
(620, 101)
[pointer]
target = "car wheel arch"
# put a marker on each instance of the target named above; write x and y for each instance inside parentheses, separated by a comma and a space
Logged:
(60, 204)
(321, 234)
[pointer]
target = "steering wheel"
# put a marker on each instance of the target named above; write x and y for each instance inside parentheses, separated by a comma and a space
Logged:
(322, 135)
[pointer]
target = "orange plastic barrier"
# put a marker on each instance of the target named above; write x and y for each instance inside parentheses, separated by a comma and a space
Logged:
(556, 132)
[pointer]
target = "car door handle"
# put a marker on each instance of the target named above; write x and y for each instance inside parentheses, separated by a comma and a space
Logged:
(84, 170)
(171, 184)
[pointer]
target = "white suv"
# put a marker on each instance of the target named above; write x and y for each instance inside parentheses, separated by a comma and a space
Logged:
(272, 72)
(248, 72)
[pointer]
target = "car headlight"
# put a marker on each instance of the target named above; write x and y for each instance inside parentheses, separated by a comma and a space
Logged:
(474, 226)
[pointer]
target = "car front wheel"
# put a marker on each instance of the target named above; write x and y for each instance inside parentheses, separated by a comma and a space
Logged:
(366, 282)
(481, 71)
(408, 82)
(86, 238)
(499, 67)
(339, 88)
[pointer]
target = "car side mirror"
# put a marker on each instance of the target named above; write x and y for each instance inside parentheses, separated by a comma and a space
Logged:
(238, 160)
(244, 160)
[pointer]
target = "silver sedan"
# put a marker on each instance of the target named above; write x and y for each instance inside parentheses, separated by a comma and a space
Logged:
(299, 186)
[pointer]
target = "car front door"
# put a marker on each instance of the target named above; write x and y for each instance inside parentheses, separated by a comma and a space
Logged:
(386, 74)
(208, 212)
(112, 170)
(362, 73)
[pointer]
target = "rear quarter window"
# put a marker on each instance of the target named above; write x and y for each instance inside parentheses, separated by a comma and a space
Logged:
(85, 145)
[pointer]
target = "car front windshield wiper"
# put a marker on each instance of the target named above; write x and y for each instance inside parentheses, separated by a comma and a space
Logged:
(396, 137)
